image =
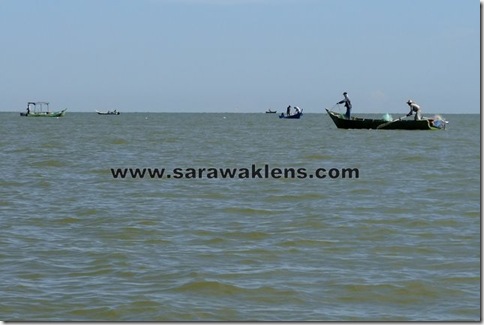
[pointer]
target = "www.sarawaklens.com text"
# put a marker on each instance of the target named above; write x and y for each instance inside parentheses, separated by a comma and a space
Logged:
(252, 172)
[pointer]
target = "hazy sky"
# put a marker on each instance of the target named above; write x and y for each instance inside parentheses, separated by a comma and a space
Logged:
(240, 55)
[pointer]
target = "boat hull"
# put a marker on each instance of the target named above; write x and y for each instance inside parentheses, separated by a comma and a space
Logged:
(361, 123)
(108, 113)
(46, 114)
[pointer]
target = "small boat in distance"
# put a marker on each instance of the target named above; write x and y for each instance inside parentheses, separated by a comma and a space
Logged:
(115, 112)
(366, 123)
(292, 116)
(41, 109)
(269, 111)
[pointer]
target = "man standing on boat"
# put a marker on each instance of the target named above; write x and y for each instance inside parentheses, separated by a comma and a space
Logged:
(288, 110)
(414, 108)
(347, 103)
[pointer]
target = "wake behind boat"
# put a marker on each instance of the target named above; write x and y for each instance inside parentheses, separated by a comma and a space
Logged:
(41, 109)
(362, 123)
(115, 112)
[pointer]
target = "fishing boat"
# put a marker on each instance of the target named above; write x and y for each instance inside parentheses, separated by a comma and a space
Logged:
(41, 109)
(269, 111)
(115, 112)
(293, 116)
(366, 123)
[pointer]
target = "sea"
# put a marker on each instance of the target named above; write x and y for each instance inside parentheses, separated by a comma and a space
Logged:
(255, 218)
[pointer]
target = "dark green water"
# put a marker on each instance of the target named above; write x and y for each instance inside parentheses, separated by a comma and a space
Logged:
(399, 243)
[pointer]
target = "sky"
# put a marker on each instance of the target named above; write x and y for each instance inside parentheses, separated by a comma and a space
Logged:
(240, 55)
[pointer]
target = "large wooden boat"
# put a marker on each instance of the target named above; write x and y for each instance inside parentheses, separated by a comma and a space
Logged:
(366, 123)
(41, 109)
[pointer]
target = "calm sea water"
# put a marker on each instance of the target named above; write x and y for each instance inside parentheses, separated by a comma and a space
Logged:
(399, 243)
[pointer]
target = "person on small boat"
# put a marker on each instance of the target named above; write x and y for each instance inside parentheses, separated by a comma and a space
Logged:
(28, 110)
(414, 108)
(347, 103)
(288, 110)
(298, 110)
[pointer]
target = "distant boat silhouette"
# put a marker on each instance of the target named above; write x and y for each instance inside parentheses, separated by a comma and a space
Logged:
(41, 109)
(115, 112)
(293, 116)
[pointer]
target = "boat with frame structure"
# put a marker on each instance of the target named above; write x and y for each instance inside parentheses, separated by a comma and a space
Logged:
(41, 109)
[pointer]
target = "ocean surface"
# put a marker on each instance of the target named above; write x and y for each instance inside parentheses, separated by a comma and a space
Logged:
(398, 240)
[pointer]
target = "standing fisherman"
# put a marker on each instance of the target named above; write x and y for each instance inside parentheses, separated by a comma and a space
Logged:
(288, 110)
(347, 103)
(414, 108)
